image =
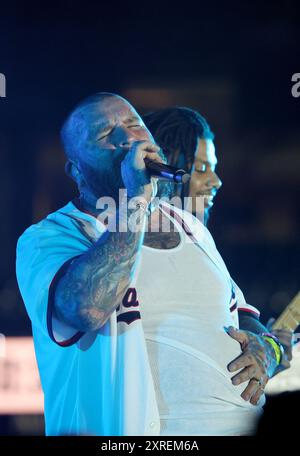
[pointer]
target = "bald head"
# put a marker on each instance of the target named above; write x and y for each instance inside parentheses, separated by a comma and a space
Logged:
(96, 137)
(75, 129)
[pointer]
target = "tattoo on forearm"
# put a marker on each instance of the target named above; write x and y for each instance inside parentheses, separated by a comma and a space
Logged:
(249, 323)
(94, 284)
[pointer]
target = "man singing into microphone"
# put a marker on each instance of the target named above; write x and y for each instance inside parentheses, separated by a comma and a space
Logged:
(87, 288)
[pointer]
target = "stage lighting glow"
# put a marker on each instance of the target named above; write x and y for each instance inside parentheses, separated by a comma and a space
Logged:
(20, 388)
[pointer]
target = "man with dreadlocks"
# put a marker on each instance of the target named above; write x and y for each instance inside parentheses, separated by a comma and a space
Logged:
(187, 141)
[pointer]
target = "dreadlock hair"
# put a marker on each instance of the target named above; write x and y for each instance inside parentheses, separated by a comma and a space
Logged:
(176, 130)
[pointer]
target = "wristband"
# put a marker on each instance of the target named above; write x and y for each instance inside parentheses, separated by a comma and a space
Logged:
(278, 348)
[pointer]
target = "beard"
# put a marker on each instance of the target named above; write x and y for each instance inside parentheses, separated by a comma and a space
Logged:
(104, 185)
(106, 181)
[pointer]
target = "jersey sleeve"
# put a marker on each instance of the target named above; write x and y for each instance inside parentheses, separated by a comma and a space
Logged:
(242, 305)
(43, 255)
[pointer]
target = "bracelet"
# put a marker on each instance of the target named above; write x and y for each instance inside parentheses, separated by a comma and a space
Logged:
(139, 204)
(277, 347)
(142, 206)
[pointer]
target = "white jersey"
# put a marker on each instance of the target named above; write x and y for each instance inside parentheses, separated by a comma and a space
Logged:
(97, 383)
(187, 297)
(100, 383)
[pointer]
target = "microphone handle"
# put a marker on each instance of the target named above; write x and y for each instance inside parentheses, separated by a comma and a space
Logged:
(167, 172)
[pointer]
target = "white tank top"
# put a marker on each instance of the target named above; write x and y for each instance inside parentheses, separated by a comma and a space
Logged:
(185, 296)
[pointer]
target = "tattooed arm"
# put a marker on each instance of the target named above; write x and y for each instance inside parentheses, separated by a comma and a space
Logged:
(251, 323)
(95, 282)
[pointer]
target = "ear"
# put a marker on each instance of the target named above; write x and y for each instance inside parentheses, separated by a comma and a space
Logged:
(72, 170)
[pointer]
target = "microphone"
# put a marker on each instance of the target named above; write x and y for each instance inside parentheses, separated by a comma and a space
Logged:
(166, 172)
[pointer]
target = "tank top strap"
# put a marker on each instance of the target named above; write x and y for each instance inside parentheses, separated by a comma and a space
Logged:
(174, 216)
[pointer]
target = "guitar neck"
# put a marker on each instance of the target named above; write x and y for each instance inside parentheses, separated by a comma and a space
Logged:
(290, 317)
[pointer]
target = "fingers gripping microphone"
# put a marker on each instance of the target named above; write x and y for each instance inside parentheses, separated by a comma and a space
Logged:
(167, 172)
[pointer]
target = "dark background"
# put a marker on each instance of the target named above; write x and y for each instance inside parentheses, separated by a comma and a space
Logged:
(233, 63)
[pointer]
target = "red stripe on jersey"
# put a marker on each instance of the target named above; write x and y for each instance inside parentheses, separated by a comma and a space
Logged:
(75, 338)
(244, 309)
